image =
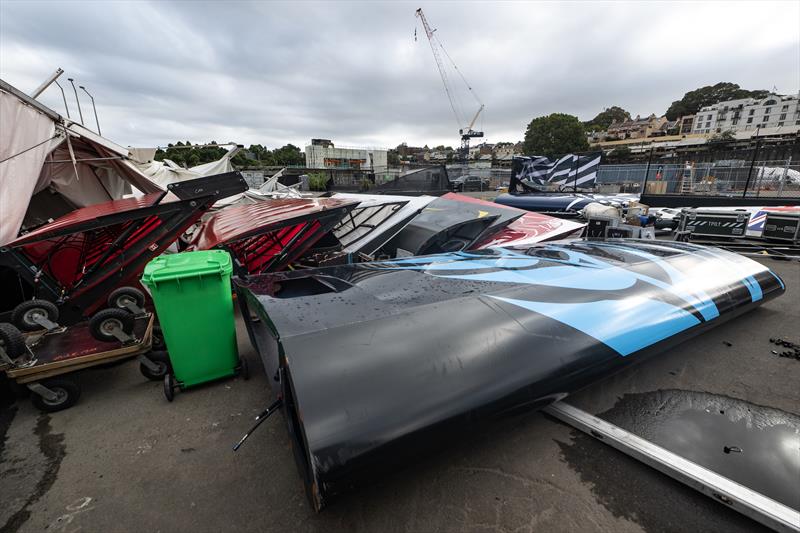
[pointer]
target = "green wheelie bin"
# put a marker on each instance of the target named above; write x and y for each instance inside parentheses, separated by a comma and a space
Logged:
(192, 295)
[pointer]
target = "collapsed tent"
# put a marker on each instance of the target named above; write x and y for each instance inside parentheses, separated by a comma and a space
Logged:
(78, 259)
(402, 356)
(530, 228)
(448, 226)
(50, 165)
(269, 235)
(167, 171)
(378, 218)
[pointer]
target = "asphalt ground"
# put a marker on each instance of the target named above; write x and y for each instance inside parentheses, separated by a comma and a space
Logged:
(123, 459)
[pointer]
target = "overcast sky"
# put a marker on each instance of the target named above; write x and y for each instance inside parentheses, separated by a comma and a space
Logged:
(272, 73)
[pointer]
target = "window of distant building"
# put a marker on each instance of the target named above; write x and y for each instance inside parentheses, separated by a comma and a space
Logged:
(767, 110)
(782, 117)
(766, 118)
(780, 124)
(770, 102)
(708, 124)
(735, 121)
(752, 111)
(750, 120)
(785, 108)
(709, 117)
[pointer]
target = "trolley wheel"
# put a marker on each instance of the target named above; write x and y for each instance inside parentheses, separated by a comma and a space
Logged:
(67, 394)
(159, 358)
(158, 343)
(103, 322)
(244, 370)
(23, 316)
(11, 340)
(169, 387)
(125, 295)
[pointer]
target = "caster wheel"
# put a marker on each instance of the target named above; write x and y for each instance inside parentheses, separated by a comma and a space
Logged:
(125, 295)
(67, 393)
(11, 340)
(160, 359)
(103, 323)
(24, 315)
(169, 387)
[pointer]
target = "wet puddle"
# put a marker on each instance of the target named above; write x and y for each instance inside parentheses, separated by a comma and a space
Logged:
(756, 446)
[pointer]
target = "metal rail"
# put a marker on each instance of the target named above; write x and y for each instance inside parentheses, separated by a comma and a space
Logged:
(738, 497)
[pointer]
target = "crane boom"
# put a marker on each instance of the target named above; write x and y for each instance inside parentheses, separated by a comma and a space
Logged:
(439, 63)
(466, 133)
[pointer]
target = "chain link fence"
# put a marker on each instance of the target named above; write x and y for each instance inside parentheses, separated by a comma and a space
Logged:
(733, 177)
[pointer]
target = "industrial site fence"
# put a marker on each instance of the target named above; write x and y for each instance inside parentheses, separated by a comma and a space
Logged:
(773, 178)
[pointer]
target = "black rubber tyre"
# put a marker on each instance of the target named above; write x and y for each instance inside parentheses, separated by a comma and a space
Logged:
(68, 393)
(11, 340)
(169, 387)
(244, 370)
(164, 367)
(158, 343)
(22, 315)
(118, 298)
(103, 321)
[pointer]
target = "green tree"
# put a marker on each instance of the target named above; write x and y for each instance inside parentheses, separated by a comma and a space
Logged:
(555, 135)
(392, 158)
(288, 155)
(619, 154)
(604, 118)
(725, 136)
(708, 95)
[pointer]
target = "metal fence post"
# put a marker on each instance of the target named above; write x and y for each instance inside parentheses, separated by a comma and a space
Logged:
(784, 176)
(752, 163)
(647, 170)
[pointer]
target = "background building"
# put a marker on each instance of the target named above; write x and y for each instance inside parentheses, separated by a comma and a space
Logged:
(321, 153)
(774, 111)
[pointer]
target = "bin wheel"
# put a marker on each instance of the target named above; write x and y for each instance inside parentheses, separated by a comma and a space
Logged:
(11, 340)
(160, 359)
(169, 387)
(244, 370)
(25, 314)
(158, 343)
(103, 322)
(67, 393)
(125, 295)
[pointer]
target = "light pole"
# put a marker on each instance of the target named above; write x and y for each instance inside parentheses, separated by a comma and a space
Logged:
(80, 113)
(64, 96)
(93, 108)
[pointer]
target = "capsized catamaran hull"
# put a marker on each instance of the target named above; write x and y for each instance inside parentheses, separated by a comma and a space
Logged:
(378, 363)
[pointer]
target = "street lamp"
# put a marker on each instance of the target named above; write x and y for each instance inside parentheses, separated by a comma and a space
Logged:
(94, 108)
(80, 113)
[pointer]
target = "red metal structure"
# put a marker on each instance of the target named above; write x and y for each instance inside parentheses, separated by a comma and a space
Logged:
(77, 260)
(268, 235)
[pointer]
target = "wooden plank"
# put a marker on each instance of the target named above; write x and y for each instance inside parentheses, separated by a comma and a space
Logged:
(71, 350)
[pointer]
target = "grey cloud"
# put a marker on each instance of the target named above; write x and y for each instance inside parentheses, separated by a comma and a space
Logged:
(285, 72)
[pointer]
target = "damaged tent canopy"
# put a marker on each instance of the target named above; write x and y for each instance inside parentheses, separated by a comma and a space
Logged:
(512, 330)
(50, 165)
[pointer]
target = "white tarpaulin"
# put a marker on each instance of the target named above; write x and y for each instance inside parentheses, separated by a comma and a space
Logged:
(22, 127)
(165, 172)
(41, 152)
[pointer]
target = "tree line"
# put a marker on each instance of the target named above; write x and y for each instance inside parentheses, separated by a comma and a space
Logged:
(189, 155)
(559, 133)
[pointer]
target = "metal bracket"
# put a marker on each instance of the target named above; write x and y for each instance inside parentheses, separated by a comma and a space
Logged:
(121, 336)
(143, 359)
(134, 309)
(750, 503)
(41, 390)
(46, 323)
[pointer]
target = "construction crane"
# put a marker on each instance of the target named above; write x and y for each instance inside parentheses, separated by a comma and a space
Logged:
(465, 131)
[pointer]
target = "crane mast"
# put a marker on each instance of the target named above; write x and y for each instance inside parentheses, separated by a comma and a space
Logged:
(467, 132)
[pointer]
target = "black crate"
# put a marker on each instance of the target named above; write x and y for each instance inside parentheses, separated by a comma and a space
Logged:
(782, 227)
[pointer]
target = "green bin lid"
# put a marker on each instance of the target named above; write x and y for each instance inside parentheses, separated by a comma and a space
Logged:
(187, 264)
